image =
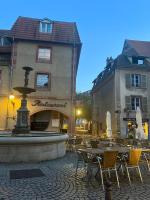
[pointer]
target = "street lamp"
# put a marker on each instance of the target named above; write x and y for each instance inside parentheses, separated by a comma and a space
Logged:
(78, 112)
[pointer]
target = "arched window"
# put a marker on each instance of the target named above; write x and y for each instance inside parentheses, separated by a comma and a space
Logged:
(46, 26)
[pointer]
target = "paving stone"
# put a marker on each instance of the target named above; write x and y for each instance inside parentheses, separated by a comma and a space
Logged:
(60, 183)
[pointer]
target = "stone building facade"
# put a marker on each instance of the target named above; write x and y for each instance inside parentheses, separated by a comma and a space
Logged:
(52, 49)
(121, 87)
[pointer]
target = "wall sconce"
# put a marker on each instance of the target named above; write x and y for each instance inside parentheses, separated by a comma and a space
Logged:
(11, 99)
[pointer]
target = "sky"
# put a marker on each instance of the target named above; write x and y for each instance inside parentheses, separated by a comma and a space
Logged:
(103, 26)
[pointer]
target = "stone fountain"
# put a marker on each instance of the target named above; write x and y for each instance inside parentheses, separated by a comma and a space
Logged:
(23, 145)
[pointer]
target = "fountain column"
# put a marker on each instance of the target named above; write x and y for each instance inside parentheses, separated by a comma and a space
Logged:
(23, 125)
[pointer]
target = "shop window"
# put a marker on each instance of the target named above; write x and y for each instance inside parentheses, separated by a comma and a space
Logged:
(42, 80)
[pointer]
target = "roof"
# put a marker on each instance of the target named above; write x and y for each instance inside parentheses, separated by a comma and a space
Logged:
(6, 33)
(136, 48)
(131, 48)
(121, 60)
(62, 32)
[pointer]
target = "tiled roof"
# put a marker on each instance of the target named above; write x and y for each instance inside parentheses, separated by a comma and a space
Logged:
(121, 60)
(136, 48)
(6, 33)
(62, 32)
(131, 48)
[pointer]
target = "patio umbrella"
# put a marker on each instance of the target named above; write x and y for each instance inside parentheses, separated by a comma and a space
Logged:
(108, 124)
(139, 131)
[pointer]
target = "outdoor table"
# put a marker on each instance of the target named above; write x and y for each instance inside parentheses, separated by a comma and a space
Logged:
(121, 150)
(101, 151)
(145, 150)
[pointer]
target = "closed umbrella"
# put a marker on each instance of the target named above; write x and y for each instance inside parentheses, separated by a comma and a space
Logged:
(108, 124)
(139, 131)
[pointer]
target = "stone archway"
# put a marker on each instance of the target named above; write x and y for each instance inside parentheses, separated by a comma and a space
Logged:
(49, 120)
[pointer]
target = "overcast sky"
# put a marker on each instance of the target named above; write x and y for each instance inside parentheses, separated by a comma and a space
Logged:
(103, 26)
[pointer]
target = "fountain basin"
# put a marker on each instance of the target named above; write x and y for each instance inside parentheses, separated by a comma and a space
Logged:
(33, 148)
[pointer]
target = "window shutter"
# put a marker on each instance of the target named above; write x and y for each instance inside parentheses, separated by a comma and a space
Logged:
(143, 81)
(144, 104)
(128, 80)
(128, 102)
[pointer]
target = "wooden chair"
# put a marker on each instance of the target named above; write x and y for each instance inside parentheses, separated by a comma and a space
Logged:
(133, 162)
(108, 163)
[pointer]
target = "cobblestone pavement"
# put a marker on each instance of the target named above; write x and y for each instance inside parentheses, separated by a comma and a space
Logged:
(60, 183)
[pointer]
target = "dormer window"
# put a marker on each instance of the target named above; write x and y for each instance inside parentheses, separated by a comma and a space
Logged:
(138, 61)
(46, 26)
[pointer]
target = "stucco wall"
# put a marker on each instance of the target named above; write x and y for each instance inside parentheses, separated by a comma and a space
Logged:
(123, 91)
(103, 101)
(60, 92)
(59, 69)
(4, 84)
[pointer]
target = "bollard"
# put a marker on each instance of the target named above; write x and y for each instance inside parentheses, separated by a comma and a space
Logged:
(108, 193)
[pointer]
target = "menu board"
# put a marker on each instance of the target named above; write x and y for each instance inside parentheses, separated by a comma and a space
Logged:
(55, 123)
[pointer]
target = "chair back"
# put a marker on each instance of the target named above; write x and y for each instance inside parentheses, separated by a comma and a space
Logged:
(82, 156)
(134, 156)
(110, 158)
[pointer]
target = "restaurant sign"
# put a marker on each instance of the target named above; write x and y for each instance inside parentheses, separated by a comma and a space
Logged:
(47, 104)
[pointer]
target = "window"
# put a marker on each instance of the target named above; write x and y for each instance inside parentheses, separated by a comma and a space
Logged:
(42, 80)
(136, 60)
(132, 102)
(5, 59)
(136, 80)
(135, 102)
(45, 27)
(140, 61)
(4, 41)
(44, 54)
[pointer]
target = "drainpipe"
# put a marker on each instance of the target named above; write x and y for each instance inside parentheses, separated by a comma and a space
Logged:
(11, 67)
(10, 81)
(72, 122)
